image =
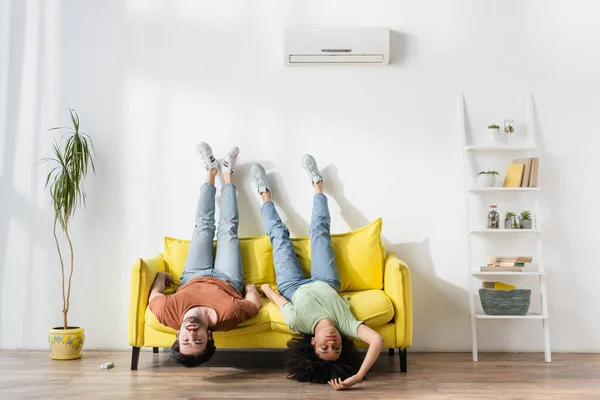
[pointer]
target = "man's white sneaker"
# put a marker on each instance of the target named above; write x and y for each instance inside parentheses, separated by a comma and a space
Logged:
(206, 156)
(230, 159)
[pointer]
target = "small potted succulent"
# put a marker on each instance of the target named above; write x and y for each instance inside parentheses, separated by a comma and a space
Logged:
(487, 178)
(525, 220)
(510, 220)
(494, 131)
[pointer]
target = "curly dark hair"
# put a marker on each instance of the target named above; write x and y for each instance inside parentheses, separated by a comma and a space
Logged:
(304, 365)
(195, 359)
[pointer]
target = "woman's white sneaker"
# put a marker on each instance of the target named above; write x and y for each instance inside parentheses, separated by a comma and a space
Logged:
(310, 165)
(260, 178)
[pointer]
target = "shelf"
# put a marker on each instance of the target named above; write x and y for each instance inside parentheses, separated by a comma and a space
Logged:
(528, 316)
(473, 151)
(506, 231)
(499, 148)
(507, 273)
(503, 189)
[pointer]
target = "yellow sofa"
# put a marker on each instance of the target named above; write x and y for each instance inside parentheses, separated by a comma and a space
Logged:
(379, 289)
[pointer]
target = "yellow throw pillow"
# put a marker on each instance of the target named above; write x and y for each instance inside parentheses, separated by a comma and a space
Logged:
(257, 258)
(359, 256)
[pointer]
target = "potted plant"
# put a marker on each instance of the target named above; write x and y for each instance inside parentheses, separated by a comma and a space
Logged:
(487, 178)
(494, 131)
(510, 219)
(73, 156)
(525, 220)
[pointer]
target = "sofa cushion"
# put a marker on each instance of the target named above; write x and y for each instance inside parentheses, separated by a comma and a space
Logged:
(371, 306)
(257, 258)
(359, 256)
(260, 323)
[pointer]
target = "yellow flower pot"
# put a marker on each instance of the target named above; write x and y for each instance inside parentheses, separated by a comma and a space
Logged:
(66, 344)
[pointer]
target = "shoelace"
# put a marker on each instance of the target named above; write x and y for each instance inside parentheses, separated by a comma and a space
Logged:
(205, 159)
(261, 181)
(229, 163)
(314, 171)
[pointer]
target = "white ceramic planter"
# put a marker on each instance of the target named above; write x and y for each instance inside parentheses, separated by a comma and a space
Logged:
(486, 180)
(494, 134)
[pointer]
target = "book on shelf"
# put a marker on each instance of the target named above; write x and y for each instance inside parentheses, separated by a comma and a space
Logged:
(510, 264)
(533, 176)
(497, 286)
(513, 259)
(529, 177)
(514, 175)
(501, 269)
(526, 171)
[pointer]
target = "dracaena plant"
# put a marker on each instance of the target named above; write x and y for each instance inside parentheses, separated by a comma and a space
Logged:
(73, 158)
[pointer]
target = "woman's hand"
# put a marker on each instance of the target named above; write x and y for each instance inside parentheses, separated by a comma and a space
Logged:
(264, 288)
(338, 384)
(275, 298)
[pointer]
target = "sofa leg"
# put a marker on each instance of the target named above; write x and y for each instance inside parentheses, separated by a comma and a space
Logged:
(155, 350)
(402, 355)
(135, 356)
(391, 352)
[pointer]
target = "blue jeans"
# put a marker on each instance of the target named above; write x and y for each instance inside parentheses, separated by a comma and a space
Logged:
(287, 269)
(228, 262)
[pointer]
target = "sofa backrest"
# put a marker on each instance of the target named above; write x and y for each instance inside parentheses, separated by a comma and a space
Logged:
(359, 256)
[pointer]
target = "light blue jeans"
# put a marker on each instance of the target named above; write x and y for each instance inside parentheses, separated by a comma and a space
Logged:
(228, 262)
(287, 269)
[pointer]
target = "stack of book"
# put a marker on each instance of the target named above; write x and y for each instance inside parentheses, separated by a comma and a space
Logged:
(523, 172)
(506, 264)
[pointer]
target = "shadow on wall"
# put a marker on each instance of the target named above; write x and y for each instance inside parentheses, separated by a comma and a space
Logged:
(18, 209)
(249, 203)
(403, 47)
(430, 294)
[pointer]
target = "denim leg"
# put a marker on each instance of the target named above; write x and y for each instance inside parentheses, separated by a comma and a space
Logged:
(287, 269)
(200, 254)
(322, 257)
(229, 258)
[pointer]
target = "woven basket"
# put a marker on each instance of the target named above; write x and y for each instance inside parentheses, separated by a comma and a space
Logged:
(505, 302)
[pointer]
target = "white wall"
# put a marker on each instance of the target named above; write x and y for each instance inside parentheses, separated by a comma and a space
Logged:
(151, 78)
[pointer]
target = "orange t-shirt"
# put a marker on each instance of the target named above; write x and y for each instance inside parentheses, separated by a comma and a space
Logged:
(232, 309)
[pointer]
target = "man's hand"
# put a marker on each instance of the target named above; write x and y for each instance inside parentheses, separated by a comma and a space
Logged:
(162, 281)
(264, 287)
(252, 294)
(166, 277)
(338, 384)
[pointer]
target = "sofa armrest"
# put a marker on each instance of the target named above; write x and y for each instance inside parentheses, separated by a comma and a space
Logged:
(142, 276)
(397, 286)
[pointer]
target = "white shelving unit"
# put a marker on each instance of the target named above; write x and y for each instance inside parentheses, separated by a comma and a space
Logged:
(525, 149)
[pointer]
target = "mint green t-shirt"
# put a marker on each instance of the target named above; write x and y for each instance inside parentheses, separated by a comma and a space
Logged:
(316, 301)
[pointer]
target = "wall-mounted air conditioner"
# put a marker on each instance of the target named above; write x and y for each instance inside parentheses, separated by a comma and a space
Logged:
(331, 46)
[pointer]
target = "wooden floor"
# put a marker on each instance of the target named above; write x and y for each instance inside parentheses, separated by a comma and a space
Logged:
(258, 375)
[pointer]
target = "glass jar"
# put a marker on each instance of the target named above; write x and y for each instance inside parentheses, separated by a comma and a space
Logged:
(493, 218)
(509, 128)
